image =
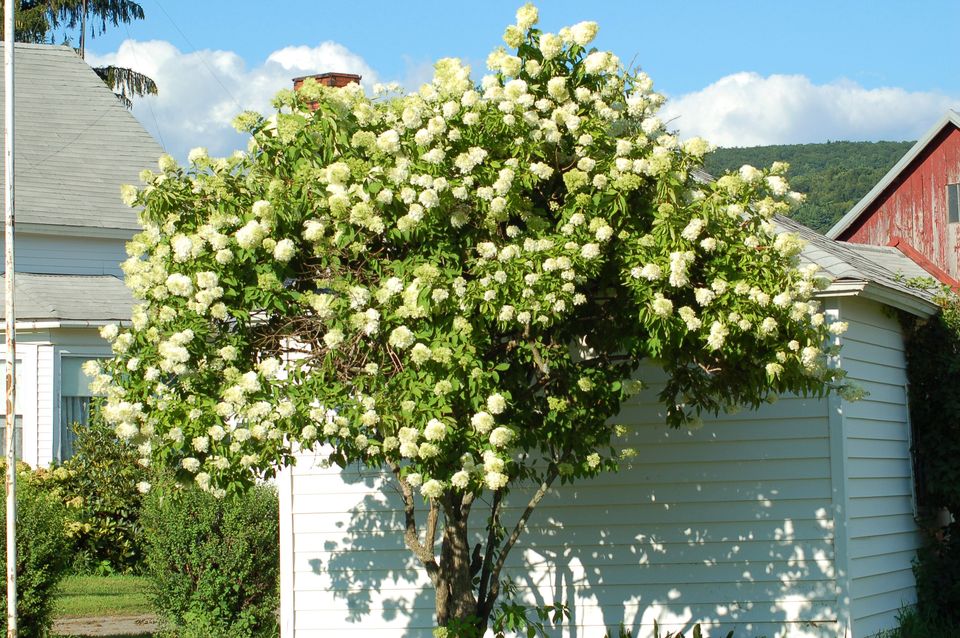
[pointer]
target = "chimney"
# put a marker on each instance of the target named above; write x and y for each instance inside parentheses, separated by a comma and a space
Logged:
(337, 80)
(328, 79)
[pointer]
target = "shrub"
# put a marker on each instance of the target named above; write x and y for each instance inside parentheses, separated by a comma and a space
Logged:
(99, 484)
(933, 368)
(42, 554)
(214, 563)
(696, 632)
(936, 569)
(913, 624)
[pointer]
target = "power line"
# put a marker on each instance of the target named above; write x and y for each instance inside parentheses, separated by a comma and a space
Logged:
(194, 49)
(153, 114)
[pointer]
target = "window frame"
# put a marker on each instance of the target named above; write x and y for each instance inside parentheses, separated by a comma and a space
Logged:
(61, 353)
(953, 203)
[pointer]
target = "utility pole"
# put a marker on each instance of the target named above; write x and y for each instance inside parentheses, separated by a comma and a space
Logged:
(10, 324)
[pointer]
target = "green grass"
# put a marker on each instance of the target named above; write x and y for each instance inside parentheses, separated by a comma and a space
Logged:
(97, 596)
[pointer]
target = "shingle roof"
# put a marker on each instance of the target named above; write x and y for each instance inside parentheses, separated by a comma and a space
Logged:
(75, 143)
(883, 267)
(70, 298)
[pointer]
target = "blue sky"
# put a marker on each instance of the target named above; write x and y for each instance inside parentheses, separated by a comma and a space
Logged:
(741, 72)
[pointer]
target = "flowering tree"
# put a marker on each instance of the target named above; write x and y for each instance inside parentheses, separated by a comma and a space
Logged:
(457, 286)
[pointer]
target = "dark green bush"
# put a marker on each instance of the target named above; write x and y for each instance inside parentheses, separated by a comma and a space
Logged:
(696, 632)
(99, 485)
(933, 368)
(43, 554)
(214, 563)
(913, 624)
(938, 577)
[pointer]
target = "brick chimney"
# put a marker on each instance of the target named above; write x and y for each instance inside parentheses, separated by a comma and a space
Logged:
(328, 79)
(337, 80)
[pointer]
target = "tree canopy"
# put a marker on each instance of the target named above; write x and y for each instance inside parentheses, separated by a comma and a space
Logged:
(458, 286)
(38, 21)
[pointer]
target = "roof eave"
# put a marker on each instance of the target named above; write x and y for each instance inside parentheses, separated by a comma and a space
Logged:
(100, 232)
(847, 220)
(885, 295)
(46, 324)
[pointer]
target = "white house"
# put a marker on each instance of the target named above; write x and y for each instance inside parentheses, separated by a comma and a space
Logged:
(75, 145)
(794, 520)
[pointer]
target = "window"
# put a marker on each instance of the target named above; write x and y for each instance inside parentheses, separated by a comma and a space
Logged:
(953, 203)
(17, 433)
(75, 398)
(18, 420)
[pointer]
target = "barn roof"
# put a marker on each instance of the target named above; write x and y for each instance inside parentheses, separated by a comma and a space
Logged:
(880, 273)
(952, 118)
(75, 144)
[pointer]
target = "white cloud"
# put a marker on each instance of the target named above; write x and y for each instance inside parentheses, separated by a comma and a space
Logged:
(416, 73)
(747, 109)
(201, 92)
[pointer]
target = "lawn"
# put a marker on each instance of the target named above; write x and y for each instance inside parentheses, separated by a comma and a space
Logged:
(97, 596)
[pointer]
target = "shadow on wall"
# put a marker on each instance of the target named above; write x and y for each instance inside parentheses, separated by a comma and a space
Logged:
(742, 543)
(772, 576)
(369, 568)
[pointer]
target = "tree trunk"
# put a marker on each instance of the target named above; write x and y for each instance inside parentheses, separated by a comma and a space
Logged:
(455, 596)
(83, 32)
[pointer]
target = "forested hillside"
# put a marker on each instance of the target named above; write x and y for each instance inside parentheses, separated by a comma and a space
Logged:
(834, 176)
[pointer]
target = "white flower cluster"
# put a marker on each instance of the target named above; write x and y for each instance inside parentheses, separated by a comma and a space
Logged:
(417, 270)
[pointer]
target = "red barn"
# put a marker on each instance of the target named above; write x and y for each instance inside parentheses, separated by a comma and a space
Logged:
(916, 206)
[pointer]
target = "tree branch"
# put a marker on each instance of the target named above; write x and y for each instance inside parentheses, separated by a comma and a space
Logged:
(538, 359)
(431, 536)
(410, 535)
(552, 473)
(488, 553)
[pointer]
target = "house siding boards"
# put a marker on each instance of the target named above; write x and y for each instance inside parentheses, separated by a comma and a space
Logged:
(883, 536)
(26, 403)
(794, 520)
(913, 207)
(45, 404)
(68, 255)
(729, 526)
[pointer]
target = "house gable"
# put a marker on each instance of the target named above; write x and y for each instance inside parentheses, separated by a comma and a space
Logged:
(908, 208)
(76, 144)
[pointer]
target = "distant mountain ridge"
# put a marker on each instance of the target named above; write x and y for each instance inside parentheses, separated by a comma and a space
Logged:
(834, 176)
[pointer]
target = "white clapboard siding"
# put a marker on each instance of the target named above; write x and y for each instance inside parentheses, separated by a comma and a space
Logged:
(882, 536)
(45, 405)
(69, 255)
(26, 391)
(730, 526)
